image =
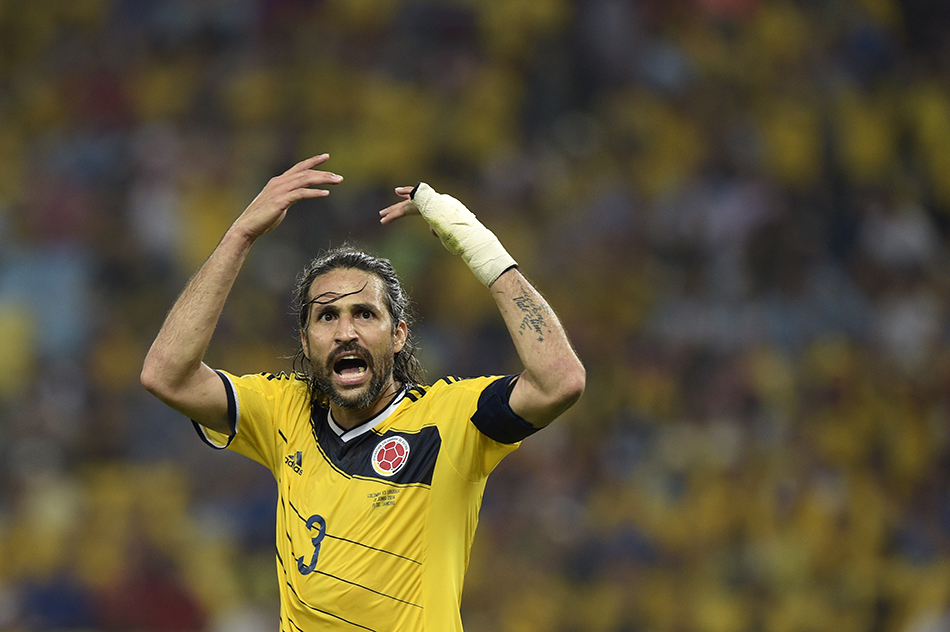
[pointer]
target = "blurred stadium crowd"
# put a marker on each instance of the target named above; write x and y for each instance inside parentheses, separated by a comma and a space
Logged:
(740, 208)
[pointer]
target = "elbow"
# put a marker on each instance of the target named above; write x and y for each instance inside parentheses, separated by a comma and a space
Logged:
(155, 378)
(569, 387)
(150, 379)
(573, 385)
(541, 402)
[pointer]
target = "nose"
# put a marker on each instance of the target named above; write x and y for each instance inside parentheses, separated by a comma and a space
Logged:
(345, 330)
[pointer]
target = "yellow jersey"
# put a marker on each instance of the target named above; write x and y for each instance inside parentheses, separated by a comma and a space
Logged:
(374, 524)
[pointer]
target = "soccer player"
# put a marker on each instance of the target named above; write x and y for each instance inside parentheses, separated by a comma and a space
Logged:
(380, 478)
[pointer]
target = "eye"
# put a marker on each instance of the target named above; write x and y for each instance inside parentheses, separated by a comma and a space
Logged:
(367, 314)
(327, 316)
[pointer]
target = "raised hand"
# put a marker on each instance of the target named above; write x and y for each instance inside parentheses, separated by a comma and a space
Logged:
(400, 209)
(269, 208)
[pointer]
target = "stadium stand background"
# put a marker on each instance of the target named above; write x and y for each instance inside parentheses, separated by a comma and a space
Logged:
(740, 208)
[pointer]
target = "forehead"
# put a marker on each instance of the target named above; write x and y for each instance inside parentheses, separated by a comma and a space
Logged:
(348, 285)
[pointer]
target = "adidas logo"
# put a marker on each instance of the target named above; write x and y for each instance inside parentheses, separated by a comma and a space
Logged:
(295, 461)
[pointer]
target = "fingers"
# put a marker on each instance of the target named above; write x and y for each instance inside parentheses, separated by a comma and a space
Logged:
(297, 183)
(301, 181)
(304, 174)
(310, 163)
(311, 178)
(400, 209)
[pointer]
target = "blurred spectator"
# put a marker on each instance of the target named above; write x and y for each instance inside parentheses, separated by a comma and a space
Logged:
(741, 204)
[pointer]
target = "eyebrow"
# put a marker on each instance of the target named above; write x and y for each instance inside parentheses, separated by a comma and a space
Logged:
(356, 307)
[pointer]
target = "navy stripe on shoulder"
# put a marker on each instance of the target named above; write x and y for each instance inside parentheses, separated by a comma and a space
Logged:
(415, 392)
(494, 416)
(232, 416)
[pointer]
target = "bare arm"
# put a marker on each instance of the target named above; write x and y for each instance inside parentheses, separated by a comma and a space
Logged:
(553, 377)
(173, 370)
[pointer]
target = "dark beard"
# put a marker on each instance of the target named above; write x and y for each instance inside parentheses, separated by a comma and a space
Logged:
(322, 380)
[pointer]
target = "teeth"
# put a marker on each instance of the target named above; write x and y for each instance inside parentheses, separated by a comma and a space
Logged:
(354, 372)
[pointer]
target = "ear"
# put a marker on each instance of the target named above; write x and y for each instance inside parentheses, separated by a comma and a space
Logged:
(400, 336)
(304, 344)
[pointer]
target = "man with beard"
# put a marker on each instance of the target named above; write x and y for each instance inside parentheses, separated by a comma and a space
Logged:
(380, 477)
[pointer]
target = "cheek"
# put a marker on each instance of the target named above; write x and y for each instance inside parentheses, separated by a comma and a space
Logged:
(311, 345)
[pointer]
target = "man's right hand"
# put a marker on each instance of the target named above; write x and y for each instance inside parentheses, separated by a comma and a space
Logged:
(269, 208)
(173, 370)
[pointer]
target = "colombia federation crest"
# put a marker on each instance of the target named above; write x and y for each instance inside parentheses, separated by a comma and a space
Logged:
(390, 455)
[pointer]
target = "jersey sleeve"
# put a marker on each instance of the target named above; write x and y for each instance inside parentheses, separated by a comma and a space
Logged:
(478, 426)
(494, 416)
(254, 413)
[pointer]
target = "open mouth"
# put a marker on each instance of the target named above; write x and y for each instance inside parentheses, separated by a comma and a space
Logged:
(350, 366)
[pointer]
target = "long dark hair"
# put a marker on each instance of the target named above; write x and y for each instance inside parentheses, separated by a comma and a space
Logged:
(406, 366)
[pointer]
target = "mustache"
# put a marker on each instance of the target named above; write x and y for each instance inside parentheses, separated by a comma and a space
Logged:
(351, 347)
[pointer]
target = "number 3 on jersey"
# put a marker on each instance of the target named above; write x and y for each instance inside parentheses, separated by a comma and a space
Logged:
(316, 540)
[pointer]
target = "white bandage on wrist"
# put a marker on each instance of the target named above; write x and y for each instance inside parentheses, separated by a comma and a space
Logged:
(462, 234)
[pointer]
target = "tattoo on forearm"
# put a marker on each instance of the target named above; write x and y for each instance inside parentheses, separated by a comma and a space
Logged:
(534, 322)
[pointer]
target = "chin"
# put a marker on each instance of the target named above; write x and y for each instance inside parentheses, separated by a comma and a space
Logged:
(357, 398)
(353, 402)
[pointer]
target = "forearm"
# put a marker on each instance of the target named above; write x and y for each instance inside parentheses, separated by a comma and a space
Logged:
(553, 377)
(173, 370)
(176, 354)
